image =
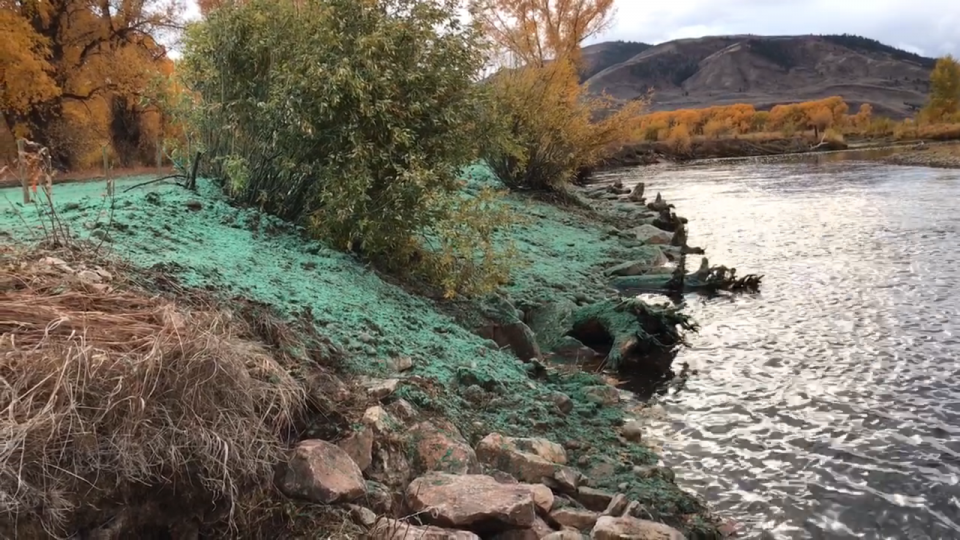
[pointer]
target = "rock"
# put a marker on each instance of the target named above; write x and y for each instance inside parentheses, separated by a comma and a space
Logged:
(542, 497)
(89, 276)
(575, 518)
(379, 420)
(380, 388)
(321, 472)
(516, 336)
(471, 501)
(474, 393)
(194, 205)
(634, 509)
(664, 473)
(639, 266)
(564, 535)
(603, 394)
(401, 363)
(517, 534)
(391, 529)
(562, 401)
(632, 431)
(651, 235)
(362, 516)
(617, 505)
(594, 499)
(623, 528)
(403, 410)
(440, 447)
(568, 479)
(529, 460)
(379, 498)
(359, 446)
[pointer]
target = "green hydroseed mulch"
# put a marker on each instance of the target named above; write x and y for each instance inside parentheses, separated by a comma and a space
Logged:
(203, 242)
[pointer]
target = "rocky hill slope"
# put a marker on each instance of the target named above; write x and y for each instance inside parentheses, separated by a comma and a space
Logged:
(763, 71)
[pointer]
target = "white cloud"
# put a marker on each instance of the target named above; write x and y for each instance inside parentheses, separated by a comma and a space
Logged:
(924, 26)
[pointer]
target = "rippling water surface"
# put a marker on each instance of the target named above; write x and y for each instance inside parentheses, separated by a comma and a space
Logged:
(828, 405)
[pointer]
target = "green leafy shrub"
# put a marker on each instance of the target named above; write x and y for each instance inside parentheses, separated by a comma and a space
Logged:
(354, 118)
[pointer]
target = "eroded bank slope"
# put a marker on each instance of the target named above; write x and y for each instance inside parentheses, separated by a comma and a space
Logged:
(433, 387)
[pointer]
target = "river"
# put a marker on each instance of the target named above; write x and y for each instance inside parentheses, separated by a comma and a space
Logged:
(828, 405)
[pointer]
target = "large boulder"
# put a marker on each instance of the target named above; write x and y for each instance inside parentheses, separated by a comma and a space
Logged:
(439, 446)
(474, 502)
(516, 336)
(629, 528)
(529, 460)
(323, 473)
(651, 235)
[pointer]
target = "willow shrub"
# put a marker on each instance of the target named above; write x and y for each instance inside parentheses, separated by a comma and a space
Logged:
(553, 127)
(353, 118)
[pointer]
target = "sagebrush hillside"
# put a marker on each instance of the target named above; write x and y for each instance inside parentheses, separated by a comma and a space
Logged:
(762, 71)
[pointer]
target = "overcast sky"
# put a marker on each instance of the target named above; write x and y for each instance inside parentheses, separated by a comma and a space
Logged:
(928, 27)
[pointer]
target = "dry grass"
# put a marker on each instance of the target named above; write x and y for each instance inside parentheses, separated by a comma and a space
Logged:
(103, 388)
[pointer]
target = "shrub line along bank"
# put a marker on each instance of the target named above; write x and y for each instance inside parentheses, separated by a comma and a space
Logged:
(417, 390)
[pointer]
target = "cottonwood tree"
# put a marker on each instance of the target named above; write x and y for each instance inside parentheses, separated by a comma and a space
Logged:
(944, 90)
(92, 55)
(553, 128)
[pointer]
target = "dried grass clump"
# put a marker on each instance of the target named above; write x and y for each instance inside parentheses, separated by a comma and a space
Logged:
(102, 389)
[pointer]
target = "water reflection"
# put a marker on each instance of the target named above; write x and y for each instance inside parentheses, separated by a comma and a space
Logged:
(828, 405)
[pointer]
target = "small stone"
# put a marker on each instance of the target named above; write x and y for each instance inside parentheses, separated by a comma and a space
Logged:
(566, 534)
(366, 337)
(504, 478)
(575, 518)
(321, 472)
(391, 529)
(401, 363)
(651, 235)
(568, 479)
(572, 445)
(623, 486)
(617, 505)
(634, 509)
(89, 276)
(403, 409)
(474, 393)
(379, 389)
(475, 501)
(663, 473)
(359, 446)
(379, 498)
(632, 431)
(542, 497)
(378, 419)
(194, 205)
(602, 394)
(563, 402)
(362, 516)
(622, 528)
(594, 499)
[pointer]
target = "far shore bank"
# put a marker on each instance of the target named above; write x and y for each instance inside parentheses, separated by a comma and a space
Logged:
(652, 153)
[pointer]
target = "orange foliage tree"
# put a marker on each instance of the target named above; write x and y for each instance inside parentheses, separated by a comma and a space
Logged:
(552, 128)
(72, 72)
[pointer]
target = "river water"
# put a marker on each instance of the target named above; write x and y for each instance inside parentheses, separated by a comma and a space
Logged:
(827, 405)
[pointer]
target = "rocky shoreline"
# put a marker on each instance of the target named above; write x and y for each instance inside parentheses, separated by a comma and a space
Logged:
(441, 419)
(944, 156)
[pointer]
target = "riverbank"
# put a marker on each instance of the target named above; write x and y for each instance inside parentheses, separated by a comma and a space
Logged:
(944, 156)
(651, 153)
(401, 383)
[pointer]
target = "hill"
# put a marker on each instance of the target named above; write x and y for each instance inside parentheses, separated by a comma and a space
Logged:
(762, 71)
